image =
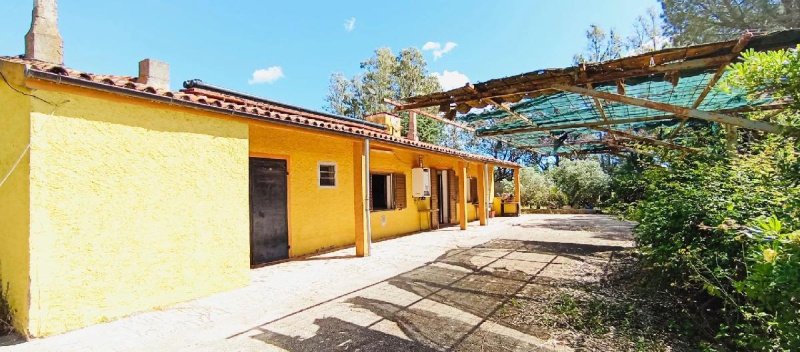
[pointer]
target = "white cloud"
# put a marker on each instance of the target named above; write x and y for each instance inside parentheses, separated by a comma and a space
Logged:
(350, 24)
(266, 75)
(451, 79)
(438, 49)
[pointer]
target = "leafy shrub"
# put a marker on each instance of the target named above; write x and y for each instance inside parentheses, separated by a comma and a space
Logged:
(583, 181)
(503, 188)
(539, 190)
(690, 231)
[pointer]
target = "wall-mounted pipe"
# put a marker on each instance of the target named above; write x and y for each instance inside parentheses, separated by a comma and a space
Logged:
(367, 200)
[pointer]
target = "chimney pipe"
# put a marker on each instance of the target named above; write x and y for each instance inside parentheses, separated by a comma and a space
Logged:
(43, 41)
(154, 73)
(412, 126)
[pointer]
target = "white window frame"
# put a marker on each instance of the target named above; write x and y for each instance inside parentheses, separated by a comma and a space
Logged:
(335, 174)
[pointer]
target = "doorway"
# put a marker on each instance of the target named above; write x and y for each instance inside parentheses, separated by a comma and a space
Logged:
(269, 227)
(443, 197)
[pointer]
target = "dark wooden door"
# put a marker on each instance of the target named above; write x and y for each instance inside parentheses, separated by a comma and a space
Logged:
(269, 231)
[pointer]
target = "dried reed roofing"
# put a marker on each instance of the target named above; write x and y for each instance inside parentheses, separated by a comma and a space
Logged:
(530, 108)
(234, 105)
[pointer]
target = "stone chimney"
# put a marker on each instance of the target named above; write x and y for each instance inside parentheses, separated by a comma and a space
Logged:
(154, 73)
(43, 41)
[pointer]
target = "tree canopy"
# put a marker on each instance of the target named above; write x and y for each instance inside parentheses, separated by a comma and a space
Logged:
(702, 21)
(385, 75)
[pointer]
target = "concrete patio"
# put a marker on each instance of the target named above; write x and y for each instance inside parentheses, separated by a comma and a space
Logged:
(438, 290)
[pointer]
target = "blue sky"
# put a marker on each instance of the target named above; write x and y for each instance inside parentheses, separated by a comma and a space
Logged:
(293, 46)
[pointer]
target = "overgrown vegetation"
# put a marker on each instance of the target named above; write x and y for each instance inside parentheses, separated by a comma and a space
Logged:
(6, 326)
(722, 227)
(579, 183)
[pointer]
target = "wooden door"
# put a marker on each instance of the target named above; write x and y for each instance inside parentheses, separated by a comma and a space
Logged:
(269, 230)
(452, 188)
(435, 206)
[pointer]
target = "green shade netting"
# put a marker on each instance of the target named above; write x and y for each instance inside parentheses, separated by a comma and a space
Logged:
(569, 108)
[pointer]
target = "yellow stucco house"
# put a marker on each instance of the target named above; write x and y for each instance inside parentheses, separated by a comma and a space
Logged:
(118, 195)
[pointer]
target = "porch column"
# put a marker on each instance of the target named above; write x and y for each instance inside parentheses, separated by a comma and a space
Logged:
(482, 194)
(361, 197)
(517, 191)
(462, 194)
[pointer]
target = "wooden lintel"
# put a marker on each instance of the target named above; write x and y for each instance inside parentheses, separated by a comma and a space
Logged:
(683, 111)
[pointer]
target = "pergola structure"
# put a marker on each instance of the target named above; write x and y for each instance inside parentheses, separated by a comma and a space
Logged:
(604, 107)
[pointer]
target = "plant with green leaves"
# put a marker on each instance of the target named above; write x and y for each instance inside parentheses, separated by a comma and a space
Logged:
(386, 75)
(583, 181)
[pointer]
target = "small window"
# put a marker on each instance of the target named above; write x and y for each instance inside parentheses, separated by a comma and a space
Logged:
(327, 175)
(381, 192)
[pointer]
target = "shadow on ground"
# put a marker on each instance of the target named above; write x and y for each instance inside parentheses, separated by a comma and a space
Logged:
(459, 305)
(602, 227)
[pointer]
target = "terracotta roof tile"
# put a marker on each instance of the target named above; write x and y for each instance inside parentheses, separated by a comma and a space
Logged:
(263, 110)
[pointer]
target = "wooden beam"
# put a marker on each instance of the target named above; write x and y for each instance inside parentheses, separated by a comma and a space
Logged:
(601, 111)
(509, 111)
(546, 83)
(429, 115)
(500, 106)
(647, 140)
(683, 111)
(740, 45)
(599, 141)
(576, 125)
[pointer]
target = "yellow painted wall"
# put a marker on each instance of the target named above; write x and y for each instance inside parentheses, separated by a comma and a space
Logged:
(132, 207)
(390, 223)
(14, 193)
(319, 218)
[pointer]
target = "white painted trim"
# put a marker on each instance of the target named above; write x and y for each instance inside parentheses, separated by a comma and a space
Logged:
(335, 173)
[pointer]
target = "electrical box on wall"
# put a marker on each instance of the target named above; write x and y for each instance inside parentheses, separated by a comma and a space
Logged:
(420, 182)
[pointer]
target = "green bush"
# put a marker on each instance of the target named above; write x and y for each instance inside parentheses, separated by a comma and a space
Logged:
(539, 190)
(583, 181)
(723, 227)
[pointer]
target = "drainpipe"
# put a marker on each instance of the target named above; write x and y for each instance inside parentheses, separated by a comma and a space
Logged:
(366, 198)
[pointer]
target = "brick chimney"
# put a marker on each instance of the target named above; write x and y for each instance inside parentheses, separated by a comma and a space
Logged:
(43, 41)
(412, 126)
(154, 73)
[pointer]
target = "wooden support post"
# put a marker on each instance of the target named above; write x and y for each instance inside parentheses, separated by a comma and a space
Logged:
(462, 194)
(682, 111)
(361, 197)
(517, 190)
(482, 216)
